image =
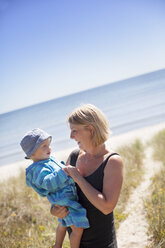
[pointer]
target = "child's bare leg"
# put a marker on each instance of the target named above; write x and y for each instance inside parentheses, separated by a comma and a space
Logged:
(60, 235)
(75, 236)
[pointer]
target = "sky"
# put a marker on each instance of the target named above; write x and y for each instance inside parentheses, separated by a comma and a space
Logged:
(52, 48)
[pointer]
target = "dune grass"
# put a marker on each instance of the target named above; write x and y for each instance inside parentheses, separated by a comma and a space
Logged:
(155, 204)
(25, 219)
(132, 155)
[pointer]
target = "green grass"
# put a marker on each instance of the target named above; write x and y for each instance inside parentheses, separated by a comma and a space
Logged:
(155, 204)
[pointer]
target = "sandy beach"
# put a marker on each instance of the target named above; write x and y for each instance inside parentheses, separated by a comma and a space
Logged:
(144, 134)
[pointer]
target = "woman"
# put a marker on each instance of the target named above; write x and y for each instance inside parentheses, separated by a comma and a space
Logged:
(98, 173)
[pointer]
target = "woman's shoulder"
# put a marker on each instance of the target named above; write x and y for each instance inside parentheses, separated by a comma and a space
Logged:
(114, 161)
(75, 152)
(73, 157)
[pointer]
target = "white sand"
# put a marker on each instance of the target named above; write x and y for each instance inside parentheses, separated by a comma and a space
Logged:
(143, 134)
(133, 232)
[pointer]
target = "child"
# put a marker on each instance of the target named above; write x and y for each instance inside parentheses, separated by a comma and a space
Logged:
(47, 177)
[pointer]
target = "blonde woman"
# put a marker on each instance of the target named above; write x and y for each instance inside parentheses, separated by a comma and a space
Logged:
(98, 173)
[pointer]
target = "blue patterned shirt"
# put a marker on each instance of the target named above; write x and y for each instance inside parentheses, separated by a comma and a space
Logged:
(48, 179)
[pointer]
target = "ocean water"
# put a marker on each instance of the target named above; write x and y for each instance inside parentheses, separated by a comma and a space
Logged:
(128, 104)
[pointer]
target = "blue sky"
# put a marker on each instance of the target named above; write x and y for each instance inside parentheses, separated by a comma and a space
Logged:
(51, 48)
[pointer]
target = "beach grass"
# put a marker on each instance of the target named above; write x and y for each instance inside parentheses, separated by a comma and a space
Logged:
(132, 155)
(25, 219)
(155, 204)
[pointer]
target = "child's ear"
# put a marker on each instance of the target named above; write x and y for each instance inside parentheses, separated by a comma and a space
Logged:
(31, 157)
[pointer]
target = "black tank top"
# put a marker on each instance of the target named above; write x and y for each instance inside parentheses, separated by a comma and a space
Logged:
(101, 233)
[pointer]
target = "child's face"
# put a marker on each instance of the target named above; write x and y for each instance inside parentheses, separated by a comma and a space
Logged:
(43, 151)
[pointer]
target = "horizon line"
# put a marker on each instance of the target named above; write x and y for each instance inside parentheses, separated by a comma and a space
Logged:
(77, 92)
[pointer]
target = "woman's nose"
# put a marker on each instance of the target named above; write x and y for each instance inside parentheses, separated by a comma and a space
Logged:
(71, 135)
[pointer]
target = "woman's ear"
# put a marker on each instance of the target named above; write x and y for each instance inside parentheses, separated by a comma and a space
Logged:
(91, 129)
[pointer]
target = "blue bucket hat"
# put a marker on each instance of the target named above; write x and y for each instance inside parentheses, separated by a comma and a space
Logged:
(32, 140)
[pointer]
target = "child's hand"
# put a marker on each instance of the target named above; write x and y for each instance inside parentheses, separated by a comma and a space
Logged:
(73, 172)
(59, 211)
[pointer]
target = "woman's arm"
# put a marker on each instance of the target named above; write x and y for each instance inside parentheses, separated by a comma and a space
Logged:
(112, 183)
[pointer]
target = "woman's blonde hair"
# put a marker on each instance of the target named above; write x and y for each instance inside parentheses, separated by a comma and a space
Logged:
(89, 114)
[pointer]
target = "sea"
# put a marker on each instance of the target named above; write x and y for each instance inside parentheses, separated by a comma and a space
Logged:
(128, 104)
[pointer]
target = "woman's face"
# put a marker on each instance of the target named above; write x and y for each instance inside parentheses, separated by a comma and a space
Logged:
(82, 135)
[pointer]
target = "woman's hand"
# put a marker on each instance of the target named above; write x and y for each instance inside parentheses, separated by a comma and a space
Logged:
(59, 211)
(73, 172)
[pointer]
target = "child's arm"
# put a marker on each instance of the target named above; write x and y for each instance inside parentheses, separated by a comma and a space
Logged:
(49, 180)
